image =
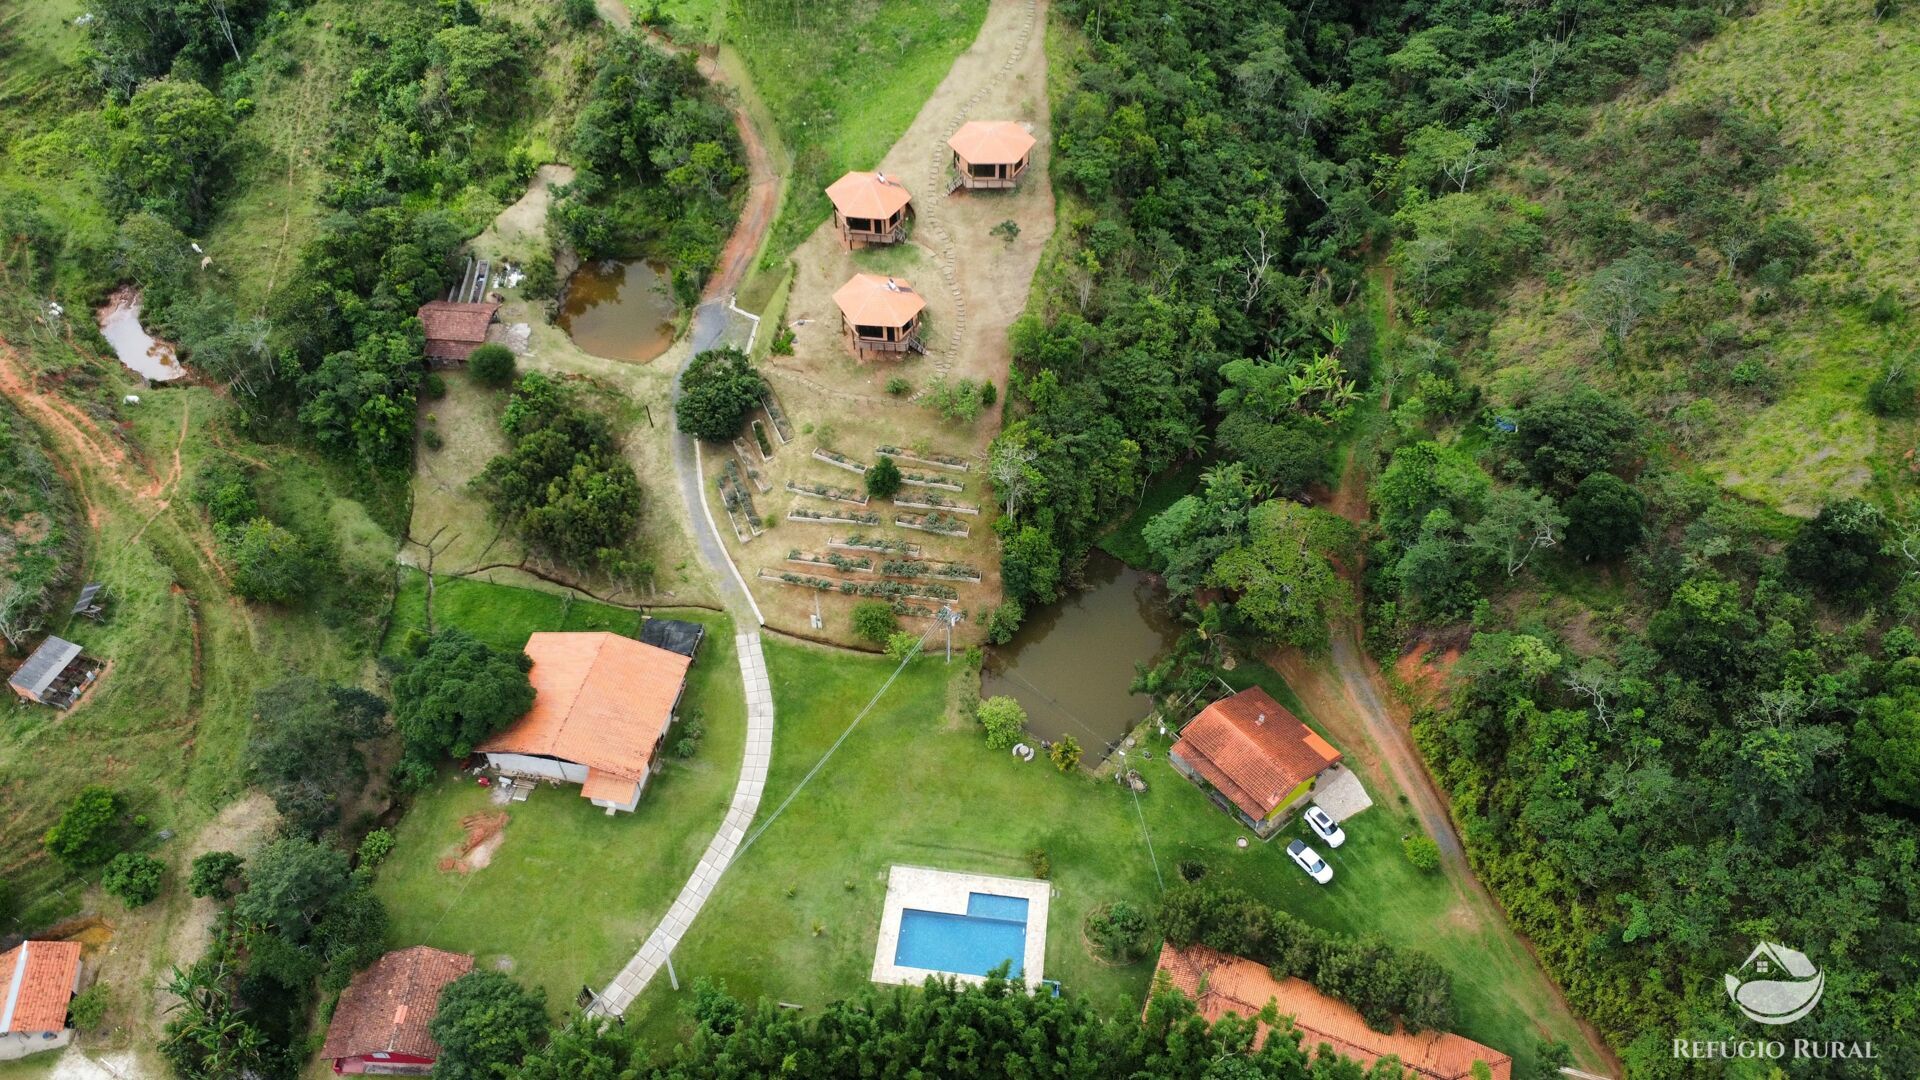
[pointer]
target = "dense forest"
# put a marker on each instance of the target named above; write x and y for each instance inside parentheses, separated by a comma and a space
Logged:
(1720, 751)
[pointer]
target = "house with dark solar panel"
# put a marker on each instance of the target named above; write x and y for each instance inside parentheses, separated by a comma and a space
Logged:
(1253, 757)
(602, 704)
(56, 674)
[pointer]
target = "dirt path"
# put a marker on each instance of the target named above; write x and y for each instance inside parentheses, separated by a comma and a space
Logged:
(1347, 692)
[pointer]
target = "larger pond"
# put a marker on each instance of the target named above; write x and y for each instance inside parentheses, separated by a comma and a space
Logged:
(620, 310)
(141, 352)
(1070, 664)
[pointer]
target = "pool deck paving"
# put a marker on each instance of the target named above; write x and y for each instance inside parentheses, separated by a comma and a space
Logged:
(926, 889)
(639, 971)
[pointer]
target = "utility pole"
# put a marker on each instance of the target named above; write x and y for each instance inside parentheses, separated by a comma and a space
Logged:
(951, 618)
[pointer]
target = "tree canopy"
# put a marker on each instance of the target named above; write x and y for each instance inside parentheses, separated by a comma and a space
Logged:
(717, 391)
(456, 693)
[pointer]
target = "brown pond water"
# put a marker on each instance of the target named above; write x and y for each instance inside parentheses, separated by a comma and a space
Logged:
(1070, 664)
(620, 310)
(141, 352)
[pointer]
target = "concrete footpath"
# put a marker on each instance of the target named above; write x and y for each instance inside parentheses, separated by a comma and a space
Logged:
(626, 986)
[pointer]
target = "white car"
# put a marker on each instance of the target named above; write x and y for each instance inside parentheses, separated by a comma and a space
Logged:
(1324, 826)
(1307, 859)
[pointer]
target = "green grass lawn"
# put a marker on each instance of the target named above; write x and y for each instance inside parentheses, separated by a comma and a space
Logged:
(843, 83)
(503, 615)
(797, 916)
(570, 893)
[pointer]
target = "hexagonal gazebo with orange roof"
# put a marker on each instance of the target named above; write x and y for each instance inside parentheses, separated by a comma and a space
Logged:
(991, 153)
(880, 314)
(870, 207)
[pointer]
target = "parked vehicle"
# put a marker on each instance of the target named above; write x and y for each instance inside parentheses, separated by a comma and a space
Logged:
(1310, 861)
(1324, 826)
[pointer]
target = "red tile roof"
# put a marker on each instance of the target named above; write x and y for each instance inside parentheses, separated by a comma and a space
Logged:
(991, 142)
(36, 980)
(1220, 983)
(388, 1006)
(878, 300)
(1254, 750)
(599, 700)
(454, 330)
(866, 195)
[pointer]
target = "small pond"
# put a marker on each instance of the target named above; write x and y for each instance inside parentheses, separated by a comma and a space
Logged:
(141, 352)
(1071, 663)
(620, 310)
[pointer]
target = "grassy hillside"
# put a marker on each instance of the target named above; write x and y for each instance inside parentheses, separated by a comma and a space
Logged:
(842, 79)
(1761, 381)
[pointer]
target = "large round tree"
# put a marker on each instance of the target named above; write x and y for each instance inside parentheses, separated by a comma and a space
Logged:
(457, 693)
(718, 390)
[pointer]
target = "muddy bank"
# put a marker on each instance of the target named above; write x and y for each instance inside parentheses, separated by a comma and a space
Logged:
(141, 352)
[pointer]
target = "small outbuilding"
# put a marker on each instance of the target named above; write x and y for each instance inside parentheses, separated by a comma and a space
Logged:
(602, 704)
(1221, 984)
(880, 314)
(991, 153)
(455, 329)
(869, 208)
(1255, 758)
(56, 674)
(37, 980)
(380, 1024)
(673, 635)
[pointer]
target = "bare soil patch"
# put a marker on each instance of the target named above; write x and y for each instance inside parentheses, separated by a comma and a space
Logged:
(484, 835)
(975, 284)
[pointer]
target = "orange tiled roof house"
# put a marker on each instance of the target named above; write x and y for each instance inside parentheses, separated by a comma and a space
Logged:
(1221, 983)
(869, 208)
(990, 153)
(880, 314)
(37, 980)
(380, 1024)
(1253, 757)
(602, 704)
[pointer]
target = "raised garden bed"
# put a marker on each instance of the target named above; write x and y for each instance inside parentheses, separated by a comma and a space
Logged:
(925, 481)
(823, 491)
(938, 461)
(801, 513)
(879, 590)
(839, 460)
(882, 544)
(738, 502)
(781, 427)
(760, 437)
(935, 502)
(933, 523)
(917, 568)
(832, 560)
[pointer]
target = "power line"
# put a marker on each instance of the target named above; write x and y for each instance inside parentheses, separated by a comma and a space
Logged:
(818, 765)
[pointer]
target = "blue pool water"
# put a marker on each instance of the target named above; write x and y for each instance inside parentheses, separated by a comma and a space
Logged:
(992, 932)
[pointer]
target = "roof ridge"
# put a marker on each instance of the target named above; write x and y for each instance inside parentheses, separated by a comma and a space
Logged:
(13, 988)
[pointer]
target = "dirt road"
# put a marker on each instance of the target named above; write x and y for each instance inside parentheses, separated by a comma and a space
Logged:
(1347, 691)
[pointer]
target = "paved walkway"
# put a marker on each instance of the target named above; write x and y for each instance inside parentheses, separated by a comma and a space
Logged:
(620, 993)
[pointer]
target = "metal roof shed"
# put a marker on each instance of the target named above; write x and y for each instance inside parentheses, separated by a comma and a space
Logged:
(55, 674)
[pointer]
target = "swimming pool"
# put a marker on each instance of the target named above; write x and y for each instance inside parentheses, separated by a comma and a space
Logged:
(991, 933)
